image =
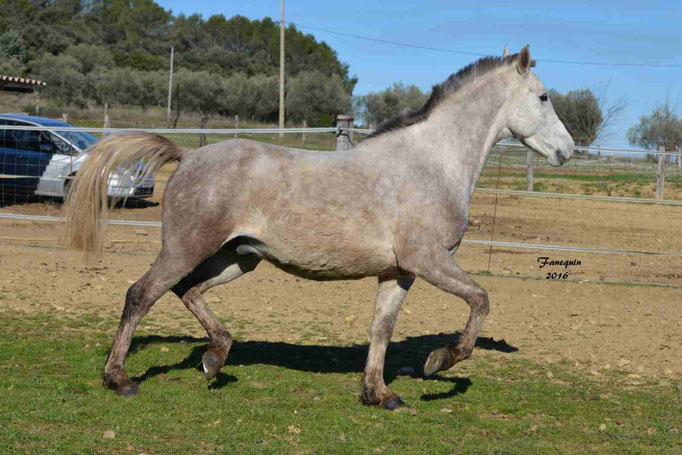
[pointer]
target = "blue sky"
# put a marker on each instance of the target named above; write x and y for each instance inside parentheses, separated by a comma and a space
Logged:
(623, 31)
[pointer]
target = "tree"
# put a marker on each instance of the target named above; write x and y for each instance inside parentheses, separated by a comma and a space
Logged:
(377, 108)
(90, 56)
(201, 91)
(11, 67)
(63, 77)
(266, 100)
(145, 25)
(317, 99)
(585, 115)
(662, 127)
(117, 51)
(12, 46)
(138, 34)
(237, 96)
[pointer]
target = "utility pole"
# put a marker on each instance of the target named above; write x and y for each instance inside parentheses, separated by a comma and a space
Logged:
(281, 70)
(170, 88)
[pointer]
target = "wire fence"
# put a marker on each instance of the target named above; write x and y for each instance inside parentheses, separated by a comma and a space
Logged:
(40, 160)
(527, 246)
(46, 158)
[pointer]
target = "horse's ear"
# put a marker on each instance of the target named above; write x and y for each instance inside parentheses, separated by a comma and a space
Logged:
(524, 62)
(505, 52)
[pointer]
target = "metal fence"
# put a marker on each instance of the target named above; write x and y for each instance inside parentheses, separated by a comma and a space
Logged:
(344, 139)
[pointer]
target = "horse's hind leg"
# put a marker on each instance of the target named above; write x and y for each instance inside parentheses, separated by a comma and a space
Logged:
(221, 268)
(390, 296)
(164, 273)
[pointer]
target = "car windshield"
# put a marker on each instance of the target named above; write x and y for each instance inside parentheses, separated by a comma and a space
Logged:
(80, 139)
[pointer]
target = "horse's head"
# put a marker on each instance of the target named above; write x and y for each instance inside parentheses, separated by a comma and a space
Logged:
(530, 116)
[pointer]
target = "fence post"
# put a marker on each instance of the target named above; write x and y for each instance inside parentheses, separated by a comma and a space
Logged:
(236, 124)
(679, 159)
(529, 170)
(37, 102)
(598, 152)
(305, 125)
(106, 115)
(65, 117)
(344, 138)
(660, 176)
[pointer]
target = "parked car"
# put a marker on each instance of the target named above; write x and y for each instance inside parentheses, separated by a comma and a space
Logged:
(45, 162)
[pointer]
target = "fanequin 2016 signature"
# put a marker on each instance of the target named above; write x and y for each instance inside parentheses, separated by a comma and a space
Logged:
(565, 263)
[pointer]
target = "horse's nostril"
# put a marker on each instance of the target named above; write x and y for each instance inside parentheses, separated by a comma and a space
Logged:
(560, 157)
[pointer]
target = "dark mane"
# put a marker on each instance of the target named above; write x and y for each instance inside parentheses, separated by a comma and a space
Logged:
(442, 91)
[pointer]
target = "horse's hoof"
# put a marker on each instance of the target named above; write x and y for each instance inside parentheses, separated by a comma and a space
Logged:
(438, 360)
(212, 364)
(127, 389)
(394, 403)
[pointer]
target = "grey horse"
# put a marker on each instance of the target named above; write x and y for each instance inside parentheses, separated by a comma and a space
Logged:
(394, 207)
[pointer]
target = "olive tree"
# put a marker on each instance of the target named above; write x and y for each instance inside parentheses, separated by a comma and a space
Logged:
(10, 66)
(265, 90)
(200, 92)
(237, 96)
(63, 76)
(91, 56)
(316, 98)
(378, 107)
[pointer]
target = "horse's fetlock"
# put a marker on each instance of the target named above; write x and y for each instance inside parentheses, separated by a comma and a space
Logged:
(460, 353)
(372, 393)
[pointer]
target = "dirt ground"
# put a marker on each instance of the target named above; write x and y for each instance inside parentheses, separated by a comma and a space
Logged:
(611, 312)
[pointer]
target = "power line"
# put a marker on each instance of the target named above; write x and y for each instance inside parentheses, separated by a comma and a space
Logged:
(378, 40)
(478, 54)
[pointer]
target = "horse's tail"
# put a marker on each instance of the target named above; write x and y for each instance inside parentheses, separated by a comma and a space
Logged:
(87, 201)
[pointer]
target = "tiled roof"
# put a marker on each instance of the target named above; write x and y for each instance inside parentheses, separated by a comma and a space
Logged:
(21, 80)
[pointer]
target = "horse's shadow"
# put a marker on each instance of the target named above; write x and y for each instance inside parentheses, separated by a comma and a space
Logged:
(410, 352)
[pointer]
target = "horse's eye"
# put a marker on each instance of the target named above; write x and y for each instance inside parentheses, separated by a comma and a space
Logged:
(543, 97)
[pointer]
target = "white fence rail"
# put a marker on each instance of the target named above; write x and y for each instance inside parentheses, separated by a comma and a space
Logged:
(331, 129)
(527, 246)
(346, 130)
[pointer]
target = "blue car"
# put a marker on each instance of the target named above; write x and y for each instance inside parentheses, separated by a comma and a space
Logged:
(44, 162)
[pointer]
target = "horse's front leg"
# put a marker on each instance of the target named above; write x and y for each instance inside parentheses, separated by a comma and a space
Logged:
(440, 269)
(390, 296)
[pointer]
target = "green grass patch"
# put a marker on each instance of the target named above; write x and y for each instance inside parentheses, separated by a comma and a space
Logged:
(290, 398)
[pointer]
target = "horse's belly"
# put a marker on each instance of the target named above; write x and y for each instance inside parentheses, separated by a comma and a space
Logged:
(329, 263)
(325, 257)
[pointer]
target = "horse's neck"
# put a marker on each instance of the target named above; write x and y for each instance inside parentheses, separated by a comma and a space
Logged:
(454, 141)
(461, 136)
